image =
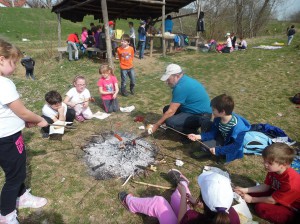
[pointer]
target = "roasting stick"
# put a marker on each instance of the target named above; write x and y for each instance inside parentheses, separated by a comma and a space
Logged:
(91, 99)
(152, 185)
(166, 127)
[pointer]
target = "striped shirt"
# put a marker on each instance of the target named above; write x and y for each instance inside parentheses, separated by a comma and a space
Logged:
(226, 128)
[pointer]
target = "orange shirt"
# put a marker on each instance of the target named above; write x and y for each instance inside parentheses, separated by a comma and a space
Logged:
(126, 56)
(73, 37)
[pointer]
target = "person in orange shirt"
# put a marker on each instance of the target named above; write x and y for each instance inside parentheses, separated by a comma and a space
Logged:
(72, 40)
(126, 55)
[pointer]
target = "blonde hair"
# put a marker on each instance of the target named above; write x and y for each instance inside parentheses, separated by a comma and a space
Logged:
(78, 77)
(280, 153)
(9, 51)
(105, 68)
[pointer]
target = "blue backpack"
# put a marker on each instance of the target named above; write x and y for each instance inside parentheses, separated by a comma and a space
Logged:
(255, 142)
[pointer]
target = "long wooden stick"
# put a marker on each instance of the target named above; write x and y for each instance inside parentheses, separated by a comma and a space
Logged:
(167, 127)
(153, 185)
(127, 180)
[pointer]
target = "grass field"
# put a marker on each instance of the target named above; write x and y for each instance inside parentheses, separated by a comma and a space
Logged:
(261, 82)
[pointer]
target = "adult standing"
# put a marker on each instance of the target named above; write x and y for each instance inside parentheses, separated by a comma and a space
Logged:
(169, 24)
(190, 105)
(290, 33)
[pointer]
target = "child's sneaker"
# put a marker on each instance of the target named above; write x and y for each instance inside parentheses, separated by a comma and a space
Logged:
(11, 218)
(176, 176)
(122, 197)
(27, 200)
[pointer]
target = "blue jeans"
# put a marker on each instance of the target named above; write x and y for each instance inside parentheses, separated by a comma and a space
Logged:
(188, 123)
(131, 75)
(290, 38)
(142, 49)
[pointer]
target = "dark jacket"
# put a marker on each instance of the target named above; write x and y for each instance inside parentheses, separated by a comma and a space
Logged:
(28, 62)
(233, 144)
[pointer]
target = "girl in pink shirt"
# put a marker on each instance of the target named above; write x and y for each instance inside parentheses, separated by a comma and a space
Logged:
(108, 89)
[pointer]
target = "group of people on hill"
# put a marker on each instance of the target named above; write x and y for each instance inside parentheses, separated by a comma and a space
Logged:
(230, 45)
(277, 200)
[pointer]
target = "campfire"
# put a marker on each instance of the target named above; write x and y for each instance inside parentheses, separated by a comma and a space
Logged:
(111, 155)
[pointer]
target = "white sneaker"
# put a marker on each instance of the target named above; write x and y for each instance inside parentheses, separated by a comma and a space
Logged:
(27, 200)
(11, 218)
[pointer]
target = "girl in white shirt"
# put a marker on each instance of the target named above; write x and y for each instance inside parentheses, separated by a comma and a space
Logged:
(78, 98)
(14, 116)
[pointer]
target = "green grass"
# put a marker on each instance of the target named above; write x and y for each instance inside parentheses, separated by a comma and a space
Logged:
(261, 82)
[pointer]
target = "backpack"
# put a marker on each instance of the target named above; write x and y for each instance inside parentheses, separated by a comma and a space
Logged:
(89, 41)
(255, 142)
(296, 99)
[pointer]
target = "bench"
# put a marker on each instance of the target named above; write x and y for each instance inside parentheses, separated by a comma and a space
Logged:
(97, 50)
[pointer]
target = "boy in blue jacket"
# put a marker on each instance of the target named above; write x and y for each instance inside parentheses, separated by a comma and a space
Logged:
(227, 131)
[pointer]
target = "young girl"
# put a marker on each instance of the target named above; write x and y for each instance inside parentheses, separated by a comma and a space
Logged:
(108, 89)
(13, 118)
(78, 98)
(216, 199)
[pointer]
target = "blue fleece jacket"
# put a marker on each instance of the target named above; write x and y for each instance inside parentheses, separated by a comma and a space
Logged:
(233, 144)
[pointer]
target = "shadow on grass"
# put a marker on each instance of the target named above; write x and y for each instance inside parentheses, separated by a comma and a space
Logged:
(38, 217)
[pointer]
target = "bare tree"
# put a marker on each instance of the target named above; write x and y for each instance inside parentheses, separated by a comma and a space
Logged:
(295, 17)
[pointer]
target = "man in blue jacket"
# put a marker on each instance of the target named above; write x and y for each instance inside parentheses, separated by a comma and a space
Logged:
(227, 131)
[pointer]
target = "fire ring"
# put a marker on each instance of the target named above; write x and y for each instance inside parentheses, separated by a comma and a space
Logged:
(111, 155)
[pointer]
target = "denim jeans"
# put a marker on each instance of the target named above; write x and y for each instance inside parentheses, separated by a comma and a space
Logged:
(131, 75)
(142, 49)
(188, 123)
(72, 46)
(290, 38)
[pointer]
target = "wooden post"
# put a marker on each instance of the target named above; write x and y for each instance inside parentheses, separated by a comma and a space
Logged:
(163, 28)
(151, 45)
(107, 37)
(59, 35)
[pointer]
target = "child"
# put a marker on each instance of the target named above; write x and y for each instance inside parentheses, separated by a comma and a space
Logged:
(242, 44)
(78, 99)
(14, 116)
(290, 33)
(142, 39)
(126, 55)
(132, 35)
(108, 89)
(89, 42)
(278, 199)
(227, 131)
(55, 110)
(72, 45)
(28, 63)
(217, 198)
(228, 45)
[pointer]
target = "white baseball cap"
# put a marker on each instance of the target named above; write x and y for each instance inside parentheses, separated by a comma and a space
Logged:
(171, 70)
(227, 34)
(216, 190)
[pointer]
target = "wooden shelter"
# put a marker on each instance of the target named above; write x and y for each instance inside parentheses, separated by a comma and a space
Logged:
(75, 10)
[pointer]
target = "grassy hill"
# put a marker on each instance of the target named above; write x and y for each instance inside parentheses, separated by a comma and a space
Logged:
(260, 81)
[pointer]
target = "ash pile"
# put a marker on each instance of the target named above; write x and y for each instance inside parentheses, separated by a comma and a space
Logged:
(111, 155)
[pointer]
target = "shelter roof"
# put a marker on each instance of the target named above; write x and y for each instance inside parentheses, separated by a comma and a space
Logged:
(75, 10)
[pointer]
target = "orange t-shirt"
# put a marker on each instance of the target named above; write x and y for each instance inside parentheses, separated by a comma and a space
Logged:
(126, 56)
(73, 37)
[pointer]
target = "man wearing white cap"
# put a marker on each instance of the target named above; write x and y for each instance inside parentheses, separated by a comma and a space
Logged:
(190, 105)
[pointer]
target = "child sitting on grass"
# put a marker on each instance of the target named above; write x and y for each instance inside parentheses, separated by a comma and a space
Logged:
(278, 199)
(78, 99)
(227, 132)
(55, 110)
(242, 44)
(108, 89)
(216, 200)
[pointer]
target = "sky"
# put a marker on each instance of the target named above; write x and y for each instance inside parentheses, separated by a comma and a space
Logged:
(288, 7)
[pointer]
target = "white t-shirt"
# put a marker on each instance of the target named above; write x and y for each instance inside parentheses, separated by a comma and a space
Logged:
(76, 97)
(10, 123)
(229, 43)
(49, 112)
(244, 43)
